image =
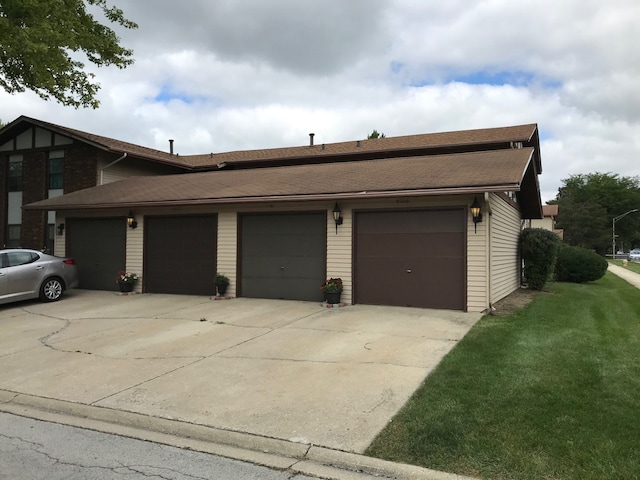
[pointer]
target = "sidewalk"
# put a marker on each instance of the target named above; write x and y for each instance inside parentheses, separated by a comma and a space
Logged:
(631, 277)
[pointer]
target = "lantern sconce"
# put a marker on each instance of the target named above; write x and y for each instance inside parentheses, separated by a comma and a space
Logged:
(337, 216)
(131, 220)
(60, 229)
(475, 214)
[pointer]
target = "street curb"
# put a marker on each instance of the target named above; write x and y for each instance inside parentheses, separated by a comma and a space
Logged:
(279, 454)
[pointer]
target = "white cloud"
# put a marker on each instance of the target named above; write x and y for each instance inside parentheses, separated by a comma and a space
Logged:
(230, 75)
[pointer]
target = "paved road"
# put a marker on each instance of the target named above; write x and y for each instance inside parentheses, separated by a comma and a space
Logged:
(36, 450)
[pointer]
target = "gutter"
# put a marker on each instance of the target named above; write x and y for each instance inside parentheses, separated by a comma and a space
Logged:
(109, 165)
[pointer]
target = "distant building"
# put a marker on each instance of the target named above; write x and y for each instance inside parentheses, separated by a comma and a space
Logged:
(548, 220)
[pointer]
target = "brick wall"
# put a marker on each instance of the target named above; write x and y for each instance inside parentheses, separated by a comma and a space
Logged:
(80, 171)
(34, 188)
(4, 172)
(81, 167)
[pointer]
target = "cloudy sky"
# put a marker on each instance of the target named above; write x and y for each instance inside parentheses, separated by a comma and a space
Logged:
(221, 75)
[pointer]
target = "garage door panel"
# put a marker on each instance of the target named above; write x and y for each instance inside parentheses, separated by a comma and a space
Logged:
(408, 261)
(180, 254)
(409, 222)
(283, 256)
(99, 247)
(392, 245)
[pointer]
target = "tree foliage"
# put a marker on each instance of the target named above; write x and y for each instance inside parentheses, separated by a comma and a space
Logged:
(375, 134)
(579, 265)
(587, 204)
(538, 248)
(40, 41)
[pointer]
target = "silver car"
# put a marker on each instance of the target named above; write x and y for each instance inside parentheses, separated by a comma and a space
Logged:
(28, 274)
(634, 255)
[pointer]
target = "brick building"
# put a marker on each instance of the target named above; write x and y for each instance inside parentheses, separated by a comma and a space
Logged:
(40, 160)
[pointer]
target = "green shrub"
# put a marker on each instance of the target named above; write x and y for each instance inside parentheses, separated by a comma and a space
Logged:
(538, 249)
(579, 265)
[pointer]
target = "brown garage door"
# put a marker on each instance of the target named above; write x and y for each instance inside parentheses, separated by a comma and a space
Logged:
(98, 246)
(283, 256)
(411, 258)
(180, 254)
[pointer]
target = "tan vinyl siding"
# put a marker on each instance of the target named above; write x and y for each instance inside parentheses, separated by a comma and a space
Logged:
(339, 251)
(135, 240)
(477, 263)
(505, 234)
(227, 252)
(128, 167)
(546, 223)
(59, 244)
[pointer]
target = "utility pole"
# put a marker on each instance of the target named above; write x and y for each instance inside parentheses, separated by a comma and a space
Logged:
(613, 230)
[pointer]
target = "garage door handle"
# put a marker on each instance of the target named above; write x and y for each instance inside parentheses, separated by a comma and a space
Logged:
(408, 271)
(281, 268)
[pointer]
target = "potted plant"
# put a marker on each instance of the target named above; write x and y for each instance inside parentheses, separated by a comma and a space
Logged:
(126, 280)
(221, 282)
(332, 289)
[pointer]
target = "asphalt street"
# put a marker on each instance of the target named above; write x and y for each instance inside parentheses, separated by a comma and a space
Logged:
(37, 450)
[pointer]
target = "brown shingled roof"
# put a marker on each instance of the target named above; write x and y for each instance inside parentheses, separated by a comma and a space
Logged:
(495, 170)
(519, 133)
(107, 143)
(384, 146)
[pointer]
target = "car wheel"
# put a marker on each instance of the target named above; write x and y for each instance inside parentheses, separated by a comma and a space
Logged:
(51, 290)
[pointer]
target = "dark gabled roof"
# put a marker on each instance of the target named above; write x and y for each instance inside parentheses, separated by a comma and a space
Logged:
(407, 145)
(98, 141)
(476, 172)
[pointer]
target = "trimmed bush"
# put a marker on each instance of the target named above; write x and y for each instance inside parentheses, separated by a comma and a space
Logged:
(538, 248)
(579, 265)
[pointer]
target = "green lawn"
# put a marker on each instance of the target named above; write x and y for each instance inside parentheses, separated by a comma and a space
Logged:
(551, 392)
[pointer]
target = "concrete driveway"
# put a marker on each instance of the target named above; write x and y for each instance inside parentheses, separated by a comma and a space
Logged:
(278, 369)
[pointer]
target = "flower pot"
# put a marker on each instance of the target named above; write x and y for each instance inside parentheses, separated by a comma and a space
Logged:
(222, 289)
(125, 287)
(333, 297)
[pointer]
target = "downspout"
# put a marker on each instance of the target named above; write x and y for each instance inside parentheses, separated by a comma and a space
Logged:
(109, 165)
(487, 201)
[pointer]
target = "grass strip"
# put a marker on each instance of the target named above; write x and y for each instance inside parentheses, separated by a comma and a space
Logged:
(551, 392)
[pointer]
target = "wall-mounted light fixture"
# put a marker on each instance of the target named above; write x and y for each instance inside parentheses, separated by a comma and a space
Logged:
(475, 214)
(337, 216)
(60, 228)
(131, 220)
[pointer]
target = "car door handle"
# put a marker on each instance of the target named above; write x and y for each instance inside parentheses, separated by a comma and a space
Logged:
(39, 267)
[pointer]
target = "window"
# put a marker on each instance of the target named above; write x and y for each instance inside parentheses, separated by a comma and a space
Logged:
(15, 173)
(15, 259)
(56, 170)
(15, 232)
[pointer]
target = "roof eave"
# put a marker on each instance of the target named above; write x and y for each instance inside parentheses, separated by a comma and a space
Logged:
(282, 198)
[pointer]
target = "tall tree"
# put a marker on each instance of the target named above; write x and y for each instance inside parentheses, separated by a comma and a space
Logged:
(39, 41)
(587, 205)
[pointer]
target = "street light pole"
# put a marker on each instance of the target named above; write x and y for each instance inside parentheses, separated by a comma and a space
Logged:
(613, 230)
